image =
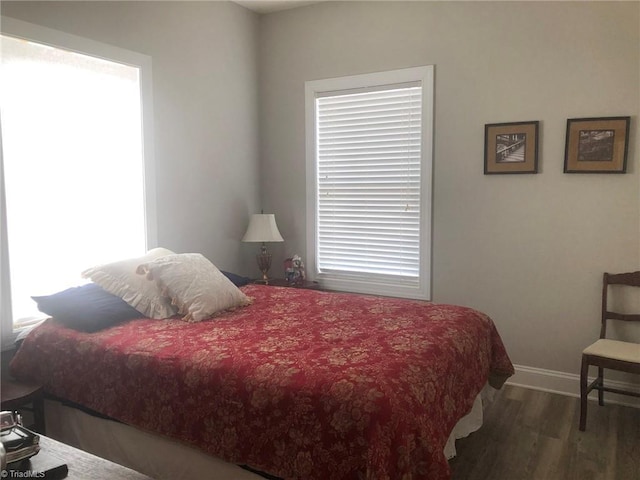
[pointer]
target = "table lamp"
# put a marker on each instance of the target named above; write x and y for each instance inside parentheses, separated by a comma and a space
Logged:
(262, 228)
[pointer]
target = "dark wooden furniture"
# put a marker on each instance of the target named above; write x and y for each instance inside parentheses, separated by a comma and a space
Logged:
(281, 282)
(606, 353)
(19, 395)
(80, 465)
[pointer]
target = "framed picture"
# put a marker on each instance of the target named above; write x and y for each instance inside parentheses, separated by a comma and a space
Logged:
(511, 147)
(596, 145)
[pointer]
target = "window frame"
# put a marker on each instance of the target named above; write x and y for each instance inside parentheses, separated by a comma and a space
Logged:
(364, 283)
(47, 36)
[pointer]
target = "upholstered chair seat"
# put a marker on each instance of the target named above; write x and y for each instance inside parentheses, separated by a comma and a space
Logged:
(624, 351)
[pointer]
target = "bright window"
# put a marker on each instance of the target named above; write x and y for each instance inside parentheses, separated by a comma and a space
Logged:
(369, 170)
(73, 168)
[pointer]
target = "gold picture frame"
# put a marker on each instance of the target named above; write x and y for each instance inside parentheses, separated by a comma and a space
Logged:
(511, 147)
(596, 145)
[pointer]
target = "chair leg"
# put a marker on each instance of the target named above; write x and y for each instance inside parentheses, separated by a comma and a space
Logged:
(584, 372)
(600, 384)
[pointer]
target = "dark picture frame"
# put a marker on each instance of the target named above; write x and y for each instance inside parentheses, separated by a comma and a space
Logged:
(596, 145)
(511, 147)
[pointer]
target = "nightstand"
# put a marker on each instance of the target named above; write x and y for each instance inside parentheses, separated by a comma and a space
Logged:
(281, 282)
(18, 395)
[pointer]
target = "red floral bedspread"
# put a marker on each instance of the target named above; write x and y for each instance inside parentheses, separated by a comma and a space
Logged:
(301, 384)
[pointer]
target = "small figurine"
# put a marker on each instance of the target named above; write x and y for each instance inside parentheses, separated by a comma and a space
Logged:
(294, 270)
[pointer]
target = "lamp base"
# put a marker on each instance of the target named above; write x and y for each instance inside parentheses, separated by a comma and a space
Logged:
(264, 264)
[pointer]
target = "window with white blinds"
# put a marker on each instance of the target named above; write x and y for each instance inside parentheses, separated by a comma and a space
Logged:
(371, 164)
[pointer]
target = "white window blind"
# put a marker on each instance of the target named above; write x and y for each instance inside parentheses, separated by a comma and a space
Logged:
(371, 164)
(369, 181)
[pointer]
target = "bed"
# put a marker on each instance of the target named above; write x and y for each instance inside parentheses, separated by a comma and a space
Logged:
(302, 384)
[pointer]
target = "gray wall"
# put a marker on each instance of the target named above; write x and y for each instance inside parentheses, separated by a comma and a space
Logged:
(529, 250)
(205, 85)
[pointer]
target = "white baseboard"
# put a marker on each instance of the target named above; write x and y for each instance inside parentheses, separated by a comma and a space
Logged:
(569, 384)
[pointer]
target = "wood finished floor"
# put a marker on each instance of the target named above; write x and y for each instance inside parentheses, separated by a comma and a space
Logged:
(532, 435)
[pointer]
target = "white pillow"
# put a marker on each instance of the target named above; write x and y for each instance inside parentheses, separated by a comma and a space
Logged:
(194, 284)
(120, 279)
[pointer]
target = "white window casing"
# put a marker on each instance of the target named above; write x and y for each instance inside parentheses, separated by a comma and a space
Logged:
(369, 169)
(105, 55)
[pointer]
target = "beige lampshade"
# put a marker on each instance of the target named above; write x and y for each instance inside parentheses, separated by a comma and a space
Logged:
(262, 228)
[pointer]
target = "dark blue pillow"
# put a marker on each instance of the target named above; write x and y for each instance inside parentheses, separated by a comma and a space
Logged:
(87, 308)
(237, 280)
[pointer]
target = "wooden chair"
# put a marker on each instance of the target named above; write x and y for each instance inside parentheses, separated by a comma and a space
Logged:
(612, 354)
